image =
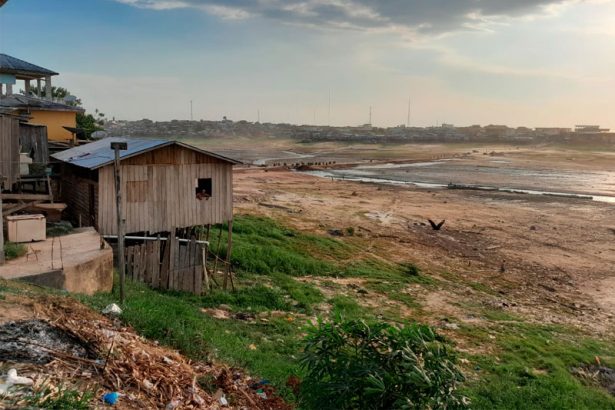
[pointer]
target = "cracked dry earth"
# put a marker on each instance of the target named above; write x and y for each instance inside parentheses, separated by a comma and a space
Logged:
(549, 260)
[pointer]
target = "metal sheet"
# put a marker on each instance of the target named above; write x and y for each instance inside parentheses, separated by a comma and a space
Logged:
(99, 153)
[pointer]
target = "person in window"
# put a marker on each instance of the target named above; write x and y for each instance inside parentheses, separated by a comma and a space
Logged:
(202, 194)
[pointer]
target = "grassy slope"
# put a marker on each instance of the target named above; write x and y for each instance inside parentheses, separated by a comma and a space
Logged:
(529, 369)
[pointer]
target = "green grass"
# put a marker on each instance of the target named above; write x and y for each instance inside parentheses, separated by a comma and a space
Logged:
(14, 250)
(530, 367)
(262, 246)
(65, 399)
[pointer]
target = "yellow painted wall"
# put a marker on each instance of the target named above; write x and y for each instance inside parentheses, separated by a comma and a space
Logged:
(55, 120)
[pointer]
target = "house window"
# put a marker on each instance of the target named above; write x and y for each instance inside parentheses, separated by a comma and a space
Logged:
(203, 188)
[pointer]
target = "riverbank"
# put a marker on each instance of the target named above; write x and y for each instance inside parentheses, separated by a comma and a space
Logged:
(541, 257)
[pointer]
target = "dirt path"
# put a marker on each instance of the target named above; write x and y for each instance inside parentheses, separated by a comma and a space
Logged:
(539, 257)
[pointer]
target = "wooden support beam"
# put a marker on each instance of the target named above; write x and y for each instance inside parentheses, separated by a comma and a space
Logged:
(26, 197)
(20, 207)
(48, 93)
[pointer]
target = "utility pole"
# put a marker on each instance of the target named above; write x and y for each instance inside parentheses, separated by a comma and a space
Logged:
(370, 115)
(258, 116)
(408, 120)
(191, 117)
(329, 112)
(117, 147)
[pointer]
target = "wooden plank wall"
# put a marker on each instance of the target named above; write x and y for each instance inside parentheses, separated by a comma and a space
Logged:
(33, 140)
(162, 192)
(76, 193)
(9, 151)
(169, 265)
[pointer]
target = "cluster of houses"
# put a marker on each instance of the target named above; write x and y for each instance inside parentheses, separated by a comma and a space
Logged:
(581, 134)
(46, 171)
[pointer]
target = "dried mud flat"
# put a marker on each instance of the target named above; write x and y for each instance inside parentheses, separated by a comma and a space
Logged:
(549, 260)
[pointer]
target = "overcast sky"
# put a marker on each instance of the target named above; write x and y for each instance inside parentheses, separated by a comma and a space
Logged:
(514, 62)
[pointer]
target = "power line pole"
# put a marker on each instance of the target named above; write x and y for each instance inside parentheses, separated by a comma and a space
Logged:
(117, 147)
(191, 117)
(329, 112)
(370, 115)
(408, 120)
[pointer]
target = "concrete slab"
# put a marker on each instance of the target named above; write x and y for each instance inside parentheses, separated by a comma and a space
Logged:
(76, 263)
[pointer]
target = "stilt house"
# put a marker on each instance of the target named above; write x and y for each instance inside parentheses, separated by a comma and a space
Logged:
(164, 185)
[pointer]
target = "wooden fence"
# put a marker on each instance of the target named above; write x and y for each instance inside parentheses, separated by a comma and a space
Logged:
(169, 264)
(9, 151)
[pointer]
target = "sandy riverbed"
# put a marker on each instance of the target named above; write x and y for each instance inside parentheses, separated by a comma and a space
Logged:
(549, 259)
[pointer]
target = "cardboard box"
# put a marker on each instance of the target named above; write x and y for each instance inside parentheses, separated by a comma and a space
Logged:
(26, 228)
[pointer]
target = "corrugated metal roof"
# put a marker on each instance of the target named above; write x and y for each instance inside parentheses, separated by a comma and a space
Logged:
(23, 101)
(10, 64)
(99, 153)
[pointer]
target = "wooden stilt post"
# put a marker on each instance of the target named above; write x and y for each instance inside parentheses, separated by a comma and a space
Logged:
(117, 146)
(217, 255)
(229, 248)
(1, 228)
(205, 275)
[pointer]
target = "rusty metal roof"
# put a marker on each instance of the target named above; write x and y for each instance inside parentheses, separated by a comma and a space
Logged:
(98, 154)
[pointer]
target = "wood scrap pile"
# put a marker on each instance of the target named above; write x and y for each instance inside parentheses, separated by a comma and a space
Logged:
(148, 376)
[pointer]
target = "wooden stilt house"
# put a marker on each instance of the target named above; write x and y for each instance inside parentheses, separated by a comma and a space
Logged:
(165, 185)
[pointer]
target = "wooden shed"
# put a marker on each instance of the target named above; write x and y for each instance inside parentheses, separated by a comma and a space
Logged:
(18, 136)
(165, 184)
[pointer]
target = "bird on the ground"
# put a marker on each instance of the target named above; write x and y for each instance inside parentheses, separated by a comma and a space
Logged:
(435, 226)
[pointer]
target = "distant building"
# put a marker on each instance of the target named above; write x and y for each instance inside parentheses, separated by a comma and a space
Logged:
(551, 131)
(589, 129)
(37, 101)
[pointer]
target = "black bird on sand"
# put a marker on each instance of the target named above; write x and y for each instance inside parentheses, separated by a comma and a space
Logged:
(434, 226)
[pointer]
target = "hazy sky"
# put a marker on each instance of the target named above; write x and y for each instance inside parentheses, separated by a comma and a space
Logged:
(514, 62)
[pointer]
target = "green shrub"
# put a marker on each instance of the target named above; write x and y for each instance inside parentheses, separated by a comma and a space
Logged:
(65, 399)
(352, 365)
(410, 269)
(14, 250)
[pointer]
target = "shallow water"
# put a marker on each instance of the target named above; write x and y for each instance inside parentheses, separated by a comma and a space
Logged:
(504, 177)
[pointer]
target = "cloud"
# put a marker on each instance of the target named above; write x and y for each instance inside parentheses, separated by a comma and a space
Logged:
(415, 16)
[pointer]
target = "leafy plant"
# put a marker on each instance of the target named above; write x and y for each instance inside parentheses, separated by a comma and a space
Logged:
(352, 365)
(14, 250)
(65, 399)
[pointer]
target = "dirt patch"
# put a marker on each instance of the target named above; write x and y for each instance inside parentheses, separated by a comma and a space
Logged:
(217, 313)
(12, 308)
(356, 287)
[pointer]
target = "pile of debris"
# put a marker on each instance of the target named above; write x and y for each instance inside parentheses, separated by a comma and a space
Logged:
(70, 345)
